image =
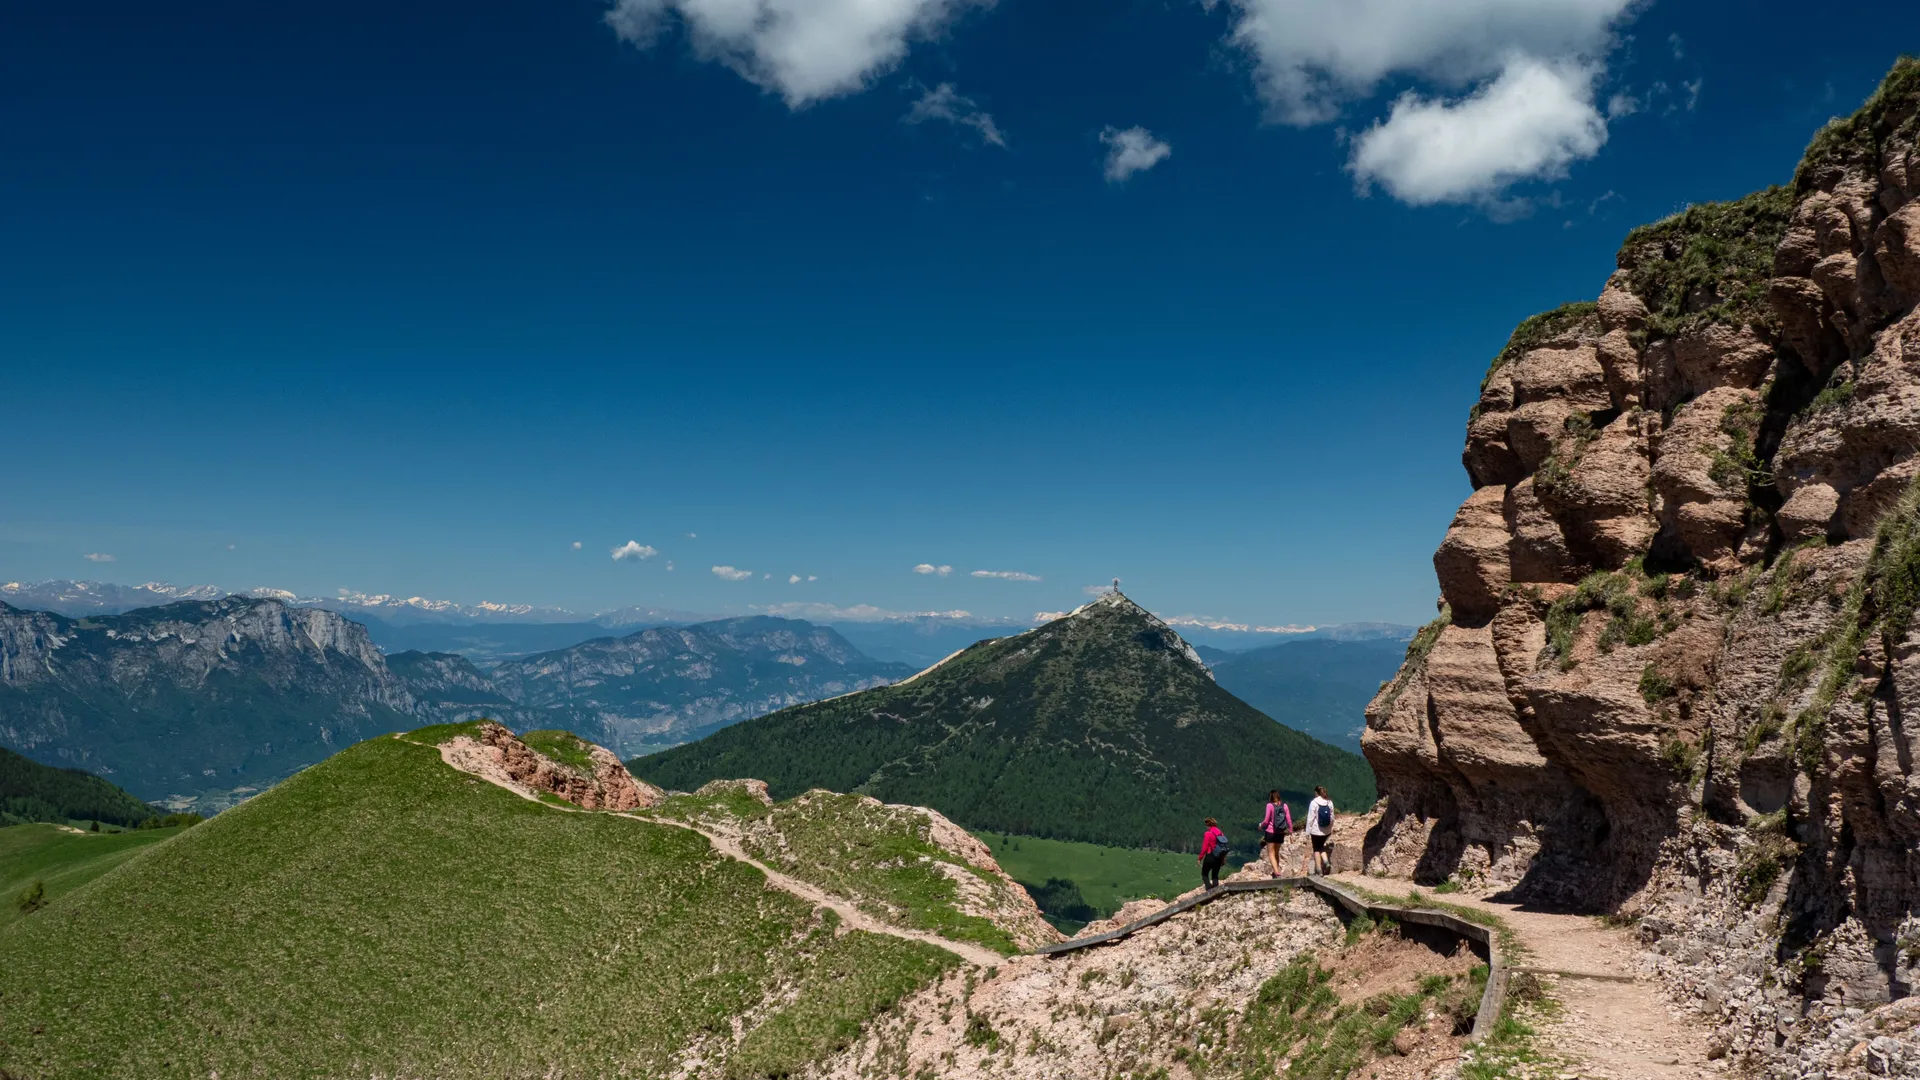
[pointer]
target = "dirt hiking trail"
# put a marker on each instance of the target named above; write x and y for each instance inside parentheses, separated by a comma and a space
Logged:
(851, 917)
(1614, 1024)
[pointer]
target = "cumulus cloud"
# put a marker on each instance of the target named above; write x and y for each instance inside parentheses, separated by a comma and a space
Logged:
(728, 573)
(633, 549)
(943, 102)
(1132, 150)
(98, 556)
(1487, 59)
(1529, 123)
(793, 579)
(576, 545)
(929, 568)
(803, 50)
(1006, 575)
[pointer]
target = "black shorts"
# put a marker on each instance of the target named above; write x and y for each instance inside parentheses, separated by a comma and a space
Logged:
(1272, 837)
(1319, 842)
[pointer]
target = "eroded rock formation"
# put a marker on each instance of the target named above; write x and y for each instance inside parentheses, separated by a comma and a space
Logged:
(1677, 653)
(601, 782)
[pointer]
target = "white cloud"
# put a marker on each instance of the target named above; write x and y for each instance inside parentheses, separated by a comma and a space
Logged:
(1487, 59)
(1678, 46)
(633, 549)
(793, 579)
(98, 556)
(229, 547)
(1006, 575)
(1531, 122)
(1693, 92)
(1209, 622)
(943, 102)
(1132, 150)
(820, 612)
(576, 545)
(929, 568)
(693, 536)
(804, 50)
(1622, 104)
(813, 577)
(728, 573)
(1313, 57)
(669, 564)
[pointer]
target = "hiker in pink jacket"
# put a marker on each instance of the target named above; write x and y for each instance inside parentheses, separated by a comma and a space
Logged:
(1213, 852)
(1275, 828)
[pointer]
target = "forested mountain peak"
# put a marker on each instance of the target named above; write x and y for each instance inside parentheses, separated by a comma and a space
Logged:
(1101, 725)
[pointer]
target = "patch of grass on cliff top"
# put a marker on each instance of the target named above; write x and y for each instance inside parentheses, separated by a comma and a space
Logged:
(1107, 876)
(882, 859)
(1894, 106)
(1536, 330)
(436, 734)
(61, 860)
(562, 746)
(383, 915)
(1711, 262)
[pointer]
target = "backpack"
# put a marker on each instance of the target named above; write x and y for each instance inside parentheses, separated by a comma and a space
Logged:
(1326, 815)
(1288, 811)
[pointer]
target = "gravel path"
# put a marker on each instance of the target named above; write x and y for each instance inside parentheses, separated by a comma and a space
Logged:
(1615, 1025)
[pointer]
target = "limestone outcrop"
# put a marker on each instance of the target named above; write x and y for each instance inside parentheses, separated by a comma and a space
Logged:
(595, 780)
(1678, 643)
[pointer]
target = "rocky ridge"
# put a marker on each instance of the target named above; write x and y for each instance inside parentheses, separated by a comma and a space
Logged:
(1673, 663)
(593, 780)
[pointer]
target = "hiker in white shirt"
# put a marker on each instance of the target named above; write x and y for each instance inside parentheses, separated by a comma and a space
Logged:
(1319, 828)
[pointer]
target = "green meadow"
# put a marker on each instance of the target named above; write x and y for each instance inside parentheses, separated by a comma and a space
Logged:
(1107, 876)
(61, 859)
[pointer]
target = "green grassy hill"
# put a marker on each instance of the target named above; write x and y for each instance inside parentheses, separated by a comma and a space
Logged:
(381, 914)
(30, 791)
(1101, 727)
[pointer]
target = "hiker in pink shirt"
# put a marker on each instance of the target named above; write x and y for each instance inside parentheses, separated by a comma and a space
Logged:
(1213, 852)
(1275, 828)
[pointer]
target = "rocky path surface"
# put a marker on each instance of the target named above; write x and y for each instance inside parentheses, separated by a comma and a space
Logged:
(850, 916)
(1614, 1024)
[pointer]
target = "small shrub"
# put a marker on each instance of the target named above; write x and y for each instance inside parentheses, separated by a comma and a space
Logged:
(1679, 755)
(1761, 866)
(32, 898)
(1655, 687)
(980, 1032)
(1833, 397)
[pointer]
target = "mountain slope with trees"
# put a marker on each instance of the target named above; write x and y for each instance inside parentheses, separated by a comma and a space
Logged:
(1102, 726)
(30, 791)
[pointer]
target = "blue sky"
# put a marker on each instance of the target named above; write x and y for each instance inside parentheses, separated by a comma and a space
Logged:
(414, 298)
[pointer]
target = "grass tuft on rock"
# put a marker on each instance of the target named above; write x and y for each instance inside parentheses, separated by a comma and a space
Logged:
(1859, 139)
(1712, 262)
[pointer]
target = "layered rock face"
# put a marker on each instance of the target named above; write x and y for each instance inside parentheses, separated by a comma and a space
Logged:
(193, 695)
(1675, 657)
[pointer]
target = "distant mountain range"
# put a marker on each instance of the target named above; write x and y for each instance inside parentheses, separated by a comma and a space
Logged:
(1319, 685)
(1101, 726)
(663, 686)
(202, 702)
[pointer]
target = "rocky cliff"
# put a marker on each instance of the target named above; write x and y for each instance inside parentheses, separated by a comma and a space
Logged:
(1676, 652)
(193, 696)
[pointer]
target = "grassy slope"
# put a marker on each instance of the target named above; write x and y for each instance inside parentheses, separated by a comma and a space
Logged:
(849, 847)
(1092, 728)
(62, 860)
(1108, 877)
(381, 914)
